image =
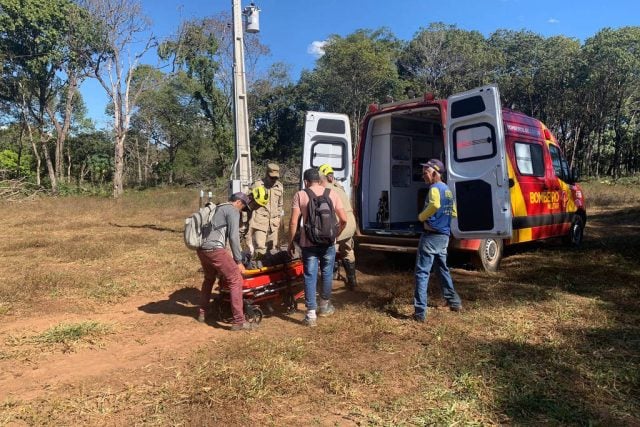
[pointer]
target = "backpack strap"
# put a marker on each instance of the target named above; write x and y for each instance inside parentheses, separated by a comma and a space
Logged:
(310, 193)
(214, 213)
(326, 193)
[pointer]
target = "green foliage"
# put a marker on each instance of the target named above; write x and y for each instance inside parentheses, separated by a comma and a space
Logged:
(9, 162)
(354, 71)
(72, 332)
(443, 59)
(195, 52)
(183, 131)
(278, 117)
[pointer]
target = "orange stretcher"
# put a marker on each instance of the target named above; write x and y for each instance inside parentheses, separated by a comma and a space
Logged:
(261, 287)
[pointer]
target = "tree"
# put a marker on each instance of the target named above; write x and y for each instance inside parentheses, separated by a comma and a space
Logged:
(353, 72)
(91, 156)
(34, 46)
(120, 24)
(443, 59)
(278, 117)
(169, 114)
(203, 50)
(67, 104)
(519, 58)
(612, 59)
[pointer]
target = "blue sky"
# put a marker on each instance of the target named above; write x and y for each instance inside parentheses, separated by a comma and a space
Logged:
(291, 28)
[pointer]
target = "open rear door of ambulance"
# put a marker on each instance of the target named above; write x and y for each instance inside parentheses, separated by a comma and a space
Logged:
(477, 164)
(327, 139)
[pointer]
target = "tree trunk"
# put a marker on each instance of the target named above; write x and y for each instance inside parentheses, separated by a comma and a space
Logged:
(18, 171)
(147, 166)
(36, 154)
(68, 165)
(138, 161)
(52, 173)
(118, 172)
(25, 120)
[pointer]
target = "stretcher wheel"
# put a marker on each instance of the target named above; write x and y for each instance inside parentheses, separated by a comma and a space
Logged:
(254, 315)
(289, 302)
(220, 310)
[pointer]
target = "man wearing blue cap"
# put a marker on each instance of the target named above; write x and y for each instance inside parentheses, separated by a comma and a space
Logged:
(436, 216)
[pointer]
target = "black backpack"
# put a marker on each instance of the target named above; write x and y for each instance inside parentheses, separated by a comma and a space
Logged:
(321, 225)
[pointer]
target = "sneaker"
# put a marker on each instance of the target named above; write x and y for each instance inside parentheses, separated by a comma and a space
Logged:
(418, 318)
(327, 310)
(246, 326)
(202, 315)
(310, 322)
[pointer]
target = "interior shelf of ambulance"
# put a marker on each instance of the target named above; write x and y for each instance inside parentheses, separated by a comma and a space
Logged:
(393, 188)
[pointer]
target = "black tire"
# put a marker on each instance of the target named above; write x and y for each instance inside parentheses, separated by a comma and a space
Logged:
(220, 310)
(290, 303)
(576, 233)
(490, 254)
(254, 315)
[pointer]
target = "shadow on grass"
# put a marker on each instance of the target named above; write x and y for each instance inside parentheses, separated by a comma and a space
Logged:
(552, 385)
(149, 226)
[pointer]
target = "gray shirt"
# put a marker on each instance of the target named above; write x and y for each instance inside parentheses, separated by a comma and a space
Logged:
(226, 222)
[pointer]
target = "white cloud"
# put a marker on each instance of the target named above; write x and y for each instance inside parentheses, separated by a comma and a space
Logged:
(316, 48)
(553, 21)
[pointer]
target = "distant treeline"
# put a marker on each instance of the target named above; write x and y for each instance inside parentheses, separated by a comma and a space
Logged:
(174, 125)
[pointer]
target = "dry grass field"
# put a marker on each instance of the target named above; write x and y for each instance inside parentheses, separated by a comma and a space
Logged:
(97, 306)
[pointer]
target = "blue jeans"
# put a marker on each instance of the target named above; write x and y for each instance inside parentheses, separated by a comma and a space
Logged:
(326, 256)
(432, 247)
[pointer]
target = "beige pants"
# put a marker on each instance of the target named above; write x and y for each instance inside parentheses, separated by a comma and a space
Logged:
(345, 249)
(264, 241)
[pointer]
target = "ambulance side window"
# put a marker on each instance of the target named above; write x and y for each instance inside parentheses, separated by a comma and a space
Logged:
(529, 159)
(560, 166)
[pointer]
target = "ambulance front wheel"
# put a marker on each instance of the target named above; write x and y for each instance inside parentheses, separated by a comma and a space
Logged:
(576, 232)
(489, 254)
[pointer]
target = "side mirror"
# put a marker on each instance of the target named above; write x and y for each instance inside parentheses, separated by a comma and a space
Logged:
(574, 175)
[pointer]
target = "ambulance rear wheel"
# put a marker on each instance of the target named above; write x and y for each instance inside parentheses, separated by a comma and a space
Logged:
(489, 254)
(576, 232)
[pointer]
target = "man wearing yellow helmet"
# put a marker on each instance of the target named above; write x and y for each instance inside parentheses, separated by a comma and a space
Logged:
(344, 242)
(265, 221)
(258, 198)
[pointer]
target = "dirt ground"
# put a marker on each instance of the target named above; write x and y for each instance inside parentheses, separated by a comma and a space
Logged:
(120, 268)
(152, 331)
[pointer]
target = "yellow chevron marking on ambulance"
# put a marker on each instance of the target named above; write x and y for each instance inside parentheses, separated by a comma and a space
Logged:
(518, 207)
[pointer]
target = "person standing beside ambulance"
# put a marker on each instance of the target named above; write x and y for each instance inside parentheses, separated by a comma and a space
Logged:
(436, 216)
(314, 254)
(344, 242)
(217, 262)
(265, 221)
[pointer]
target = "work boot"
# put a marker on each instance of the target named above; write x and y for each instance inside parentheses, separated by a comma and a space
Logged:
(350, 268)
